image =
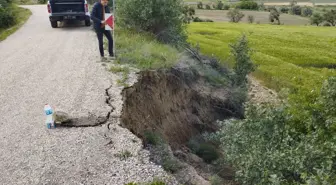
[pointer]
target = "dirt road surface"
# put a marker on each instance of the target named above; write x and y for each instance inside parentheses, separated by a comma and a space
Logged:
(38, 65)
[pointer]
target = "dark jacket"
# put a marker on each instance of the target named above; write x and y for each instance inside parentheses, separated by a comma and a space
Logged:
(97, 14)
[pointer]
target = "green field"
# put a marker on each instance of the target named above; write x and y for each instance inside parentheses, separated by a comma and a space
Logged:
(296, 57)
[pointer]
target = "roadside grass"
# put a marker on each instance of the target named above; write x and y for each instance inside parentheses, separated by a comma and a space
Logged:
(124, 155)
(294, 57)
(142, 51)
(22, 15)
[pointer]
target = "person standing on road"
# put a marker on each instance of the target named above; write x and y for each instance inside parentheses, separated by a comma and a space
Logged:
(98, 17)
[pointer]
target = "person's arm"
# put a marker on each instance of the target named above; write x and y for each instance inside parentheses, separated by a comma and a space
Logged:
(94, 13)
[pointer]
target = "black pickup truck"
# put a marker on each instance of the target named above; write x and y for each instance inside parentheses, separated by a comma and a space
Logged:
(60, 10)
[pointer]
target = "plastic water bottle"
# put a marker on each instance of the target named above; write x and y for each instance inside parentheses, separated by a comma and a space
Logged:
(49, 113)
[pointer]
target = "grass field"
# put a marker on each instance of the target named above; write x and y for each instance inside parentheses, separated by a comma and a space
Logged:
(296, 57)
(260, 16)
(22, 15)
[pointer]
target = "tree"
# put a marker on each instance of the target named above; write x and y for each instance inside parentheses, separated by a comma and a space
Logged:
(330, 17)
(200, 5)
(189, 13)
(295, 10)
(241, 53)
(274, 15)
(266, 147)
(316, 18)
(220, 5)
(250, 19)
(247, 5)
(307, 12)
(235, 15)
(164, 19)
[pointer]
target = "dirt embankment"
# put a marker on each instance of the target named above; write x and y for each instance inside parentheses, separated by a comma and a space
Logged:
(179, 103)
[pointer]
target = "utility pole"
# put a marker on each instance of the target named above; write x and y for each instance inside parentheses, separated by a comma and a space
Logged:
(113, 35)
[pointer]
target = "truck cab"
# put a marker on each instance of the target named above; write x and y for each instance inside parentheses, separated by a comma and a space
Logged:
(60, 10)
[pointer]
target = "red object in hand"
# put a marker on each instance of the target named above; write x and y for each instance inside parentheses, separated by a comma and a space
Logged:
(109, 21)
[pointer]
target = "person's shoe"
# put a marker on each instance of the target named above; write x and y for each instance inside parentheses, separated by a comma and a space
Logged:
(103, 59)
(112, 57)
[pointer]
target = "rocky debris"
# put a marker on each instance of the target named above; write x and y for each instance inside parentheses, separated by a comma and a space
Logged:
(260, 94)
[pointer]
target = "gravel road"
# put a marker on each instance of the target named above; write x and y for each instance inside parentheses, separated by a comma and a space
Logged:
(38, 65)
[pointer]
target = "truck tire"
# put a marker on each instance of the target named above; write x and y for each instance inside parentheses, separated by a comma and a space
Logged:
(53, 24)
(87, 23)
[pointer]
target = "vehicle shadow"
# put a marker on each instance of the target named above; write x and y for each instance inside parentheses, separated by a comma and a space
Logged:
(73, 25)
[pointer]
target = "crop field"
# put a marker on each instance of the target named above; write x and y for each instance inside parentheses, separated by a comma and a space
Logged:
(294, 57)
(273, 2)
(260, 16)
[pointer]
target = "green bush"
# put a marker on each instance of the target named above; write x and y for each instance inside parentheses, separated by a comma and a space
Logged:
(284, 9)
(226, 7)
(197, 19)
(235, 15)
(267, 148)
(316, 18)
(171, 164)
(327, 24)
(207, 152)
(250, 19)
(7, 17)
(295, 10)
(216, 180)
(208, 7)
(164, 19)
(248, 5)
(153, 138)
(306, 11)
(330, 17)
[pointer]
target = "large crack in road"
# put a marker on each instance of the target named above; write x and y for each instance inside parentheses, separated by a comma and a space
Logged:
(91, 120)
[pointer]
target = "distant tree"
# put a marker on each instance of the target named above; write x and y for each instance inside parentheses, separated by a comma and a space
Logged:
(247, 5)
(284, 9)
(295, 10)
(220, 5)
(189, 13)
(200, 5)
(235, 15)
(316, 18)
(306, 11)
(330, 17)
(274, 15)
(226, 7)
(208, 7)
(250, 19)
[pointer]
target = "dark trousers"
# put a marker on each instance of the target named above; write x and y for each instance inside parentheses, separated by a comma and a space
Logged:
(108, 35)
